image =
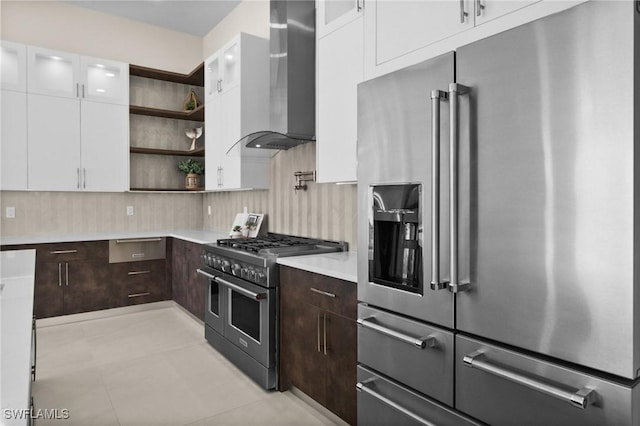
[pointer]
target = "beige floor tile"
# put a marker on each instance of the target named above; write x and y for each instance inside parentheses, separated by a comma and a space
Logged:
(278, 409)
(151, 368)
(82, 393)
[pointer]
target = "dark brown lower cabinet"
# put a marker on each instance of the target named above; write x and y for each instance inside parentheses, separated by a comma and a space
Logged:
(318, 339)
(138, 282)
(70, 277)
(187, 288)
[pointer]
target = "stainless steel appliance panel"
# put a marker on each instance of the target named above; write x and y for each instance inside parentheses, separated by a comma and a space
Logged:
(394, 147)
(500, 387)
(137, 249)
(214, 307)
(547, 132)
(384, 402)
(413, 353)
(248, 312)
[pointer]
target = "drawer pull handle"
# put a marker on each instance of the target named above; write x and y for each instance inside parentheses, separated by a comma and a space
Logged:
(138, 240)
(138, 272)
(137, 255)
(138, 294)
(63, 251)
(581, 398)
(363, 387)
(418, 342)
(324, 293)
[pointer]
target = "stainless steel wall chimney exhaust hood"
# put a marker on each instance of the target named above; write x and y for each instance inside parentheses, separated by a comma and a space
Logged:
(292, 78)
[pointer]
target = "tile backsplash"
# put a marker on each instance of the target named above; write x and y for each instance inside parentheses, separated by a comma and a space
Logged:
(323, 211)
(43, 213)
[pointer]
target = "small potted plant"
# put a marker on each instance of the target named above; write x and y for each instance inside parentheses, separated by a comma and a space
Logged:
(236, 232)
(192, 170)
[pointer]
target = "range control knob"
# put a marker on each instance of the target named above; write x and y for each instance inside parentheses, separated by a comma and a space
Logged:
(235, 269)
(226, 266)
(261, 278)
(252, 275)
(244, 273)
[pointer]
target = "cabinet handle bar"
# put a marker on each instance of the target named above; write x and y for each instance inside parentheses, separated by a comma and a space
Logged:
(324, 293)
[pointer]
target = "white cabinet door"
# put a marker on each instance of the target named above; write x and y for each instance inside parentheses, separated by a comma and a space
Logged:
(334, 14)
(14, 66)
(405, 26)
(213, 152)
(487, 10)
(104, 81)
(236, 88)
(52, 72)
(105, 147)
(14, 141)
(212, 77)
(230, 60)
(54, 143)
(340, 68)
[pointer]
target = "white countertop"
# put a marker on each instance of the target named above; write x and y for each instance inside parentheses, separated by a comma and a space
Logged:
(17, 271)
(192, 235)
(342, 265)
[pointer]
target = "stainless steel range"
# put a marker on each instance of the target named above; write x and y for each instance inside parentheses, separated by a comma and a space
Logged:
(241, 305)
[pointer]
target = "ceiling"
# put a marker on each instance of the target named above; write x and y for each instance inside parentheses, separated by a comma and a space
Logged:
(187, 16)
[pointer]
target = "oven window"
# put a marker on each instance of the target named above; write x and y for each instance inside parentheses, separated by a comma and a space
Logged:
(214, 297)
(245, 314)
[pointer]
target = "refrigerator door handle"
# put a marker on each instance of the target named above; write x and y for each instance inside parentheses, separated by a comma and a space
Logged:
(454, 140)
(581, 398)
(436, 97)
(365, 386)
(418, 342)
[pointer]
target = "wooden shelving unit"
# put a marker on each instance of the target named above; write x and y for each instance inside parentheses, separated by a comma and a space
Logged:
(154, 151)
(195, 78)
(193, 115)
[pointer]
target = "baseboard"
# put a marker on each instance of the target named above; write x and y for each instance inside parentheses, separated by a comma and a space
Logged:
(316, 406)
(104, 313)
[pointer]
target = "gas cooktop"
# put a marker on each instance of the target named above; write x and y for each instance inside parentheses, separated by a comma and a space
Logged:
(280, 244)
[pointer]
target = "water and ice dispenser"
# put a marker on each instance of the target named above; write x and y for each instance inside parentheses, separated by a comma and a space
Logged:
(396, 256)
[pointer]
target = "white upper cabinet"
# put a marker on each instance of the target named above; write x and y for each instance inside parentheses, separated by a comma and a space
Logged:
(339, 69)
(222, 70)
(237, 104)
(400, 33)
(334, 14)
(13, 149)
(404, 26)
(64, 74)
(14, 66)
(53, 73)
(13, 157)
(78, 122)
(104, 81)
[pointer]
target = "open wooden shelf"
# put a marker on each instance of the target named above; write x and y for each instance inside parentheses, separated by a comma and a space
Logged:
(195, 77)
(193, 115)
(199, 152)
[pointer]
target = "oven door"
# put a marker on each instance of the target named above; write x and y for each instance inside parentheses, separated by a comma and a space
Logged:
(214, 301)
(249, 321)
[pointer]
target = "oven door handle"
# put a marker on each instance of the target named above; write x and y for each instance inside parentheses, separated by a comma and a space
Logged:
(206, 274)
(236, 287)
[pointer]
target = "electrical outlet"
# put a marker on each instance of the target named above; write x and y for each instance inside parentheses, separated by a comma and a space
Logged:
(130, 211)
(209, 210)
(11, 212)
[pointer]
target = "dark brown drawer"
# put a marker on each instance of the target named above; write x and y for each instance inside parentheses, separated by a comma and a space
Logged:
(63, 252)
(331, 294)
(138, 282)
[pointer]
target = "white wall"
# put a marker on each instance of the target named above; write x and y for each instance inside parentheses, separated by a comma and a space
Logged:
(61, 26)
(250, 16)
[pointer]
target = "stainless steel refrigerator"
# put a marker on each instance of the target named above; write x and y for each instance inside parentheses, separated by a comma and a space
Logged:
(499, 229)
